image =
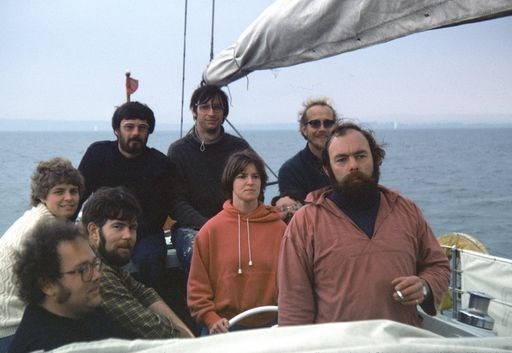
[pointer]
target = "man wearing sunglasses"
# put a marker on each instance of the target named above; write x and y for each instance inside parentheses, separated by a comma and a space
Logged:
(110, 218)
(57, 274)
(303, 172)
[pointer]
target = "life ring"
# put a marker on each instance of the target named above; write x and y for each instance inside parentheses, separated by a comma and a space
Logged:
(461, 241)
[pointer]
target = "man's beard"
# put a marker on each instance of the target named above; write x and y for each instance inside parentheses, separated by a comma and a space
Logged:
(320, 145)
(135, 149)
(111, 257)
(64, 293)
(358, 189)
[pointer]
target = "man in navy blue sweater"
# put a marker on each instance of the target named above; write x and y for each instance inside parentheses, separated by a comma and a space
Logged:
(147, 173)
(303, 172)
(57, 274)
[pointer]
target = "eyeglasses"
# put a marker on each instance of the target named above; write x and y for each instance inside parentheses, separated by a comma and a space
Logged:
(86, 270)
(144, 128)
(217, 108)
(315, 124)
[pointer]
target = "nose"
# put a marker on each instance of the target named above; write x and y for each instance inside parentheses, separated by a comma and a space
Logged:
(353, 165)
(137, 130)
(68, 195)
(128, 233)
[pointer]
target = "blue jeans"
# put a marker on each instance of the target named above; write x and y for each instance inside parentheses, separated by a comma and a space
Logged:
(184, 243)
(5, 342)
(149, 259)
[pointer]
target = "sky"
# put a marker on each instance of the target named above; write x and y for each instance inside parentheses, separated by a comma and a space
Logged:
(66, 60)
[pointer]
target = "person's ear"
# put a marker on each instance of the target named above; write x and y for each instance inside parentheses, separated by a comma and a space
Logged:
(94, 234)
(303, 129)
(47, 287)
(194, 112)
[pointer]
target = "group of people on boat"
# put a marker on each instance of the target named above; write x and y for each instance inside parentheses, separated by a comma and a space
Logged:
(333, 246)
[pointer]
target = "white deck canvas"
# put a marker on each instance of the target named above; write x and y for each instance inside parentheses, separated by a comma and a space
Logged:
(361, 336)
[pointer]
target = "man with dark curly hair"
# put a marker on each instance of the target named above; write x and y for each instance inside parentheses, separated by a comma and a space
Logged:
(57, 274)
(110, 218)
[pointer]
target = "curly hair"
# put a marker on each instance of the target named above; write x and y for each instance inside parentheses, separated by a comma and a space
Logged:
(38, 261)
(377, 150)
(110, 203)
(50, 173)
(236, 164)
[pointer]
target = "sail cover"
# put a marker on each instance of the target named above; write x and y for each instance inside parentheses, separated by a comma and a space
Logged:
(291, 32)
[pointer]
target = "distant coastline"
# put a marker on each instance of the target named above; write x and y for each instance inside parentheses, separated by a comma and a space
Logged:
(474, 122)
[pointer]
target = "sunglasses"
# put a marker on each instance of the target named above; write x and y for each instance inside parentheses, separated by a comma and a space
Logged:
(316, 123)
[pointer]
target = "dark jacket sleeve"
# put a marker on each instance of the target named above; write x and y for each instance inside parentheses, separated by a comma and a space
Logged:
(290, 182)
(88, 167)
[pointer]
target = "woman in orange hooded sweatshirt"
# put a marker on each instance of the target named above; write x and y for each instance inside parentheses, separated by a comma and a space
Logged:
(234, 261)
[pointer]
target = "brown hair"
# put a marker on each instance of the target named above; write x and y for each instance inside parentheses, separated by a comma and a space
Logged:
(50, 173)
(236, 164)
(377, 150)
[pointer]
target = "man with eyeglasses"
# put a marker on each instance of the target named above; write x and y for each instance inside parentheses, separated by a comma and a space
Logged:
(147, 173)
(110, 219)
(57, 275)
(200, 158)
(303, 172)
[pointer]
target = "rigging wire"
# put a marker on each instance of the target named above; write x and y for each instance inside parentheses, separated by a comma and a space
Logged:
(266, 165)
(213, 26)
(183, 69)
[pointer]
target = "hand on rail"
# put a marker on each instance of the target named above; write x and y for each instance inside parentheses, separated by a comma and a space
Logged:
(220, 326)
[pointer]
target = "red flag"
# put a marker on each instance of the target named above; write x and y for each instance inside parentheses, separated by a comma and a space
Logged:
(131, 85)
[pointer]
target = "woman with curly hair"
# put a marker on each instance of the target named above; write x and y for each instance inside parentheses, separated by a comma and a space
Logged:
(56, 188)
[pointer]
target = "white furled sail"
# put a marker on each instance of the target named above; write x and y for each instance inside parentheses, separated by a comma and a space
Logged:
(290, 32)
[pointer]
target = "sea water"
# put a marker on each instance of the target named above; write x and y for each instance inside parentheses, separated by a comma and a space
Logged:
(460, 178)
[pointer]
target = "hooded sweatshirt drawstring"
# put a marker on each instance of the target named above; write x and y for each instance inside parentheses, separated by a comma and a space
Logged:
(239, 252)
(249, 242)
(239, 246)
